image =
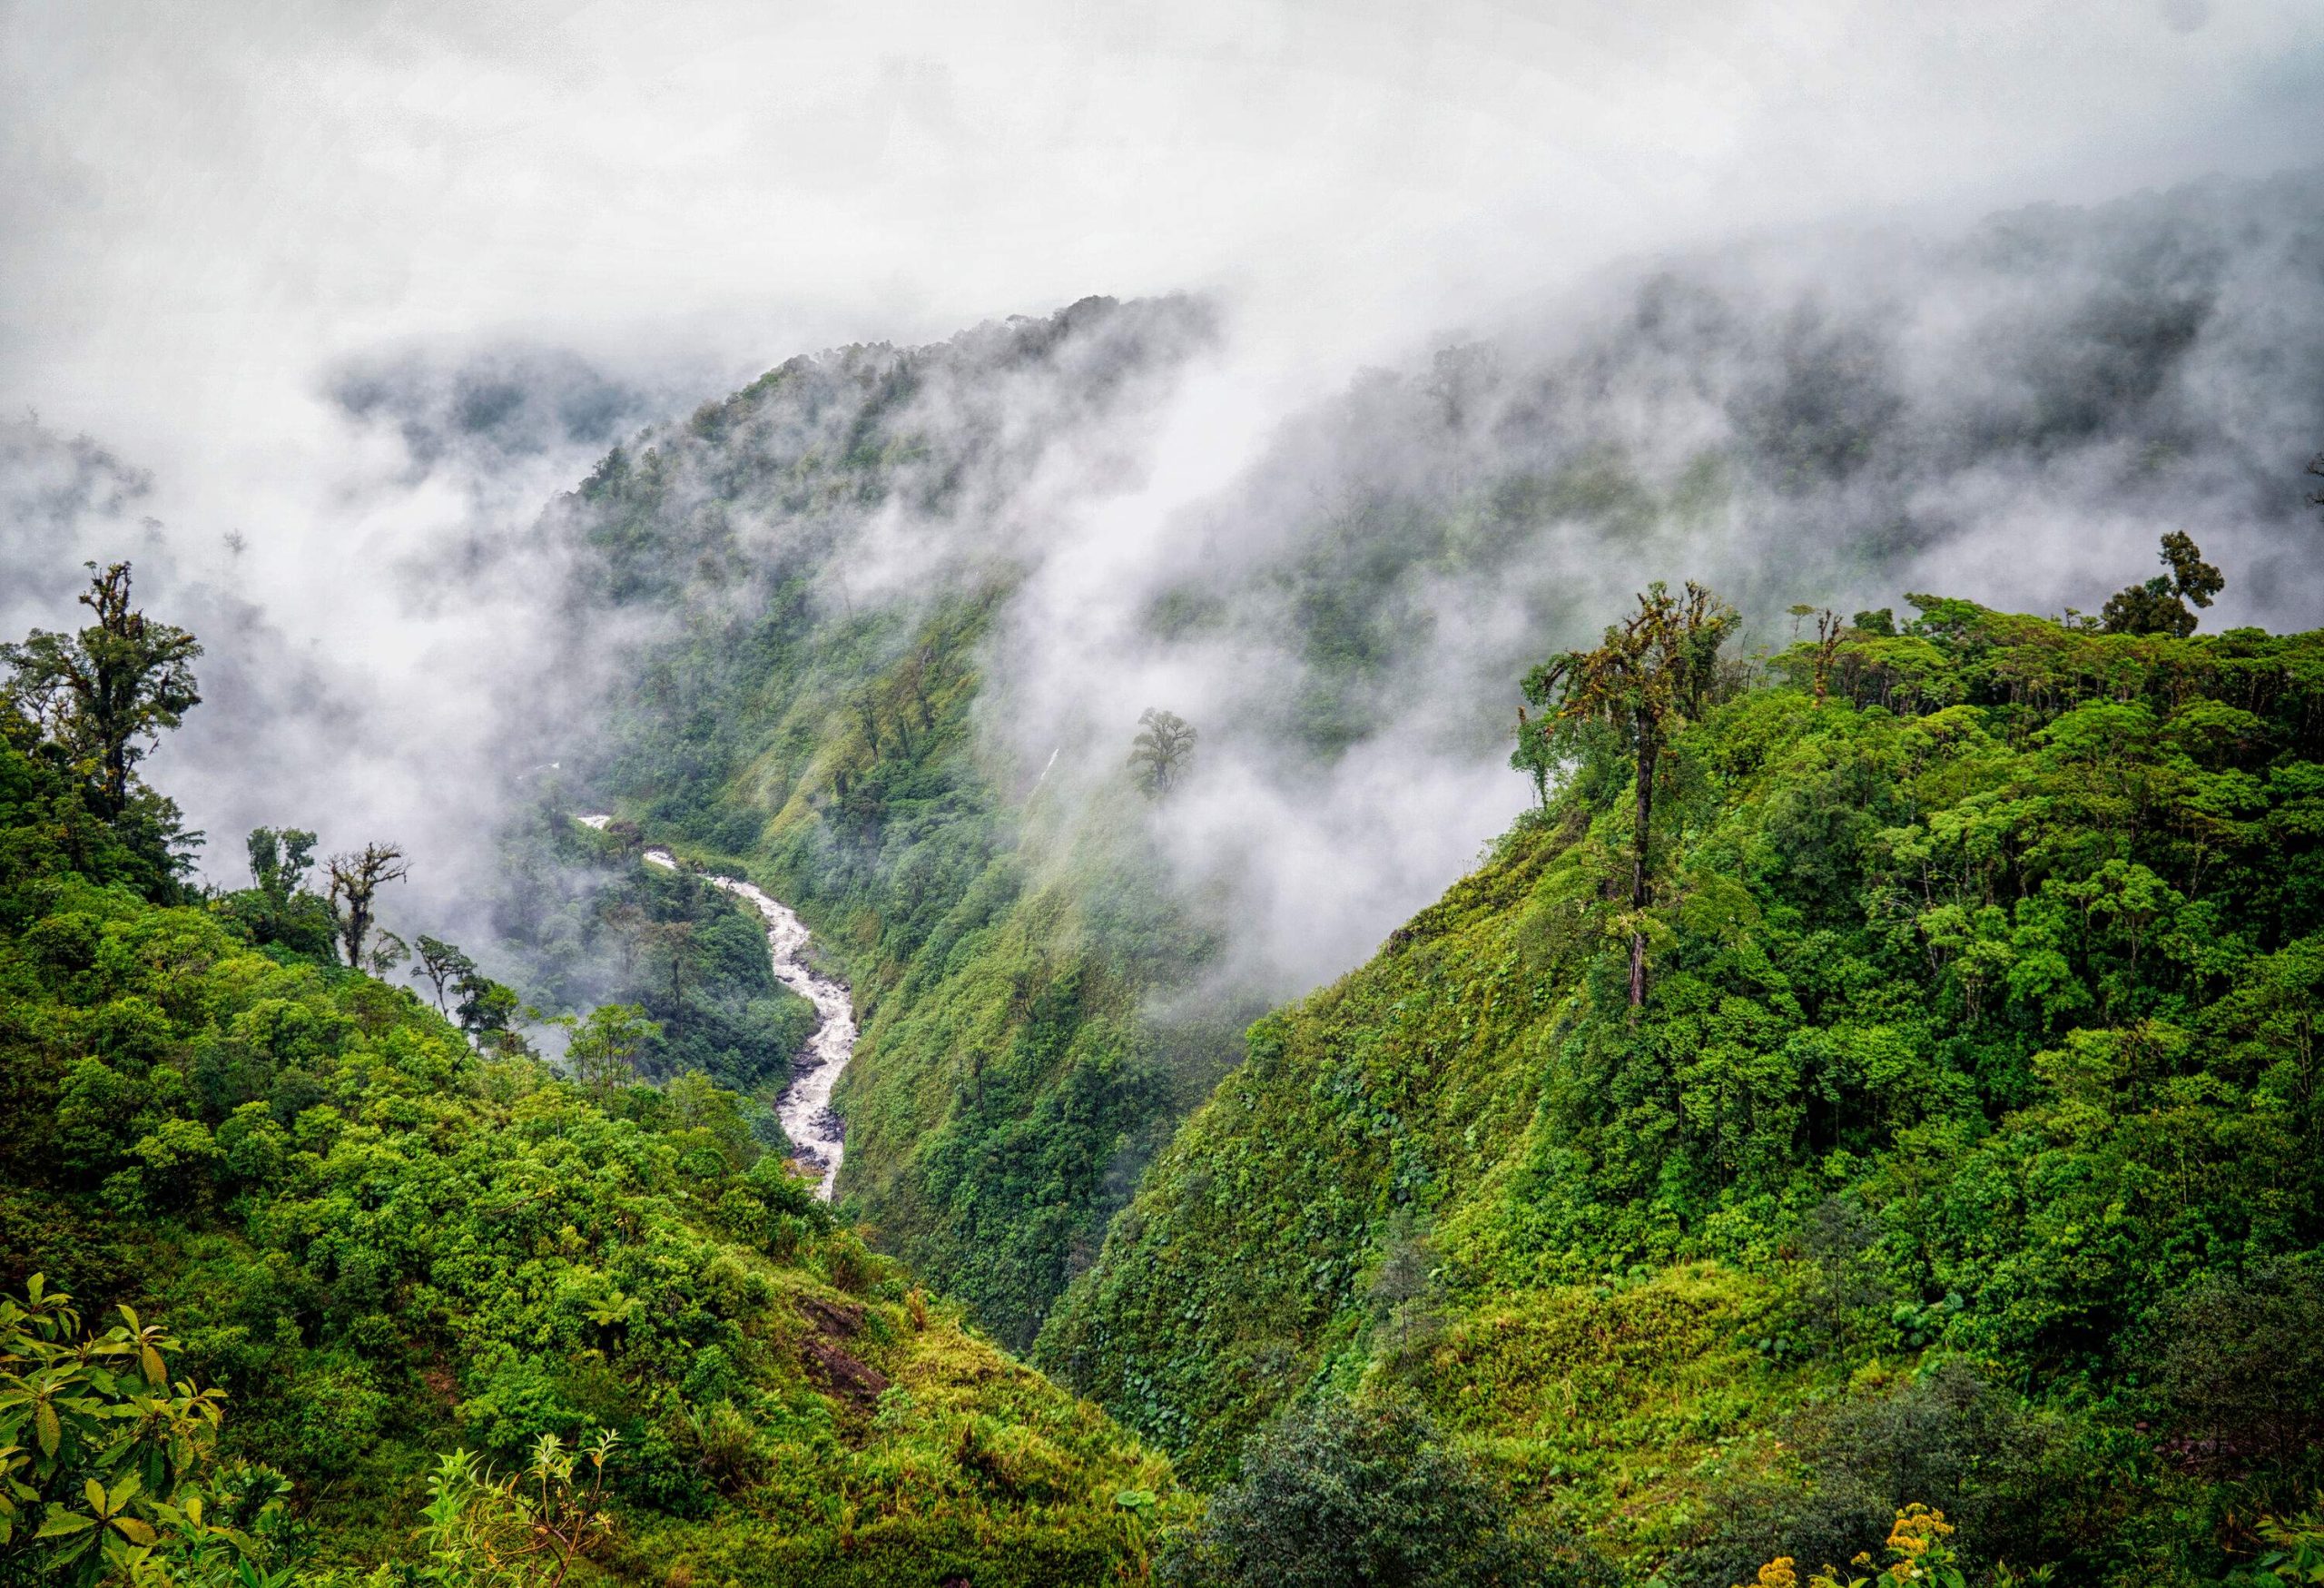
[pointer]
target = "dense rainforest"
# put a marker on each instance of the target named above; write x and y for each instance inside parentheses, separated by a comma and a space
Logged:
(1960, 1150)
(836, 633)
(1944, 1190)
(1858, 1120)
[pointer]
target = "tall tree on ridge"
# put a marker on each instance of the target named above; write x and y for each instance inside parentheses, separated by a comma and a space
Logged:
(106, 692)
(2159, 605)
(441, 965)
(1653, 671)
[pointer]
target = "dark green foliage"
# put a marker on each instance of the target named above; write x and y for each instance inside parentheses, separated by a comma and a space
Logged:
(2159, 605)
(2002, 1477)
(593, 924)
(1367, 1495)
(1164, 744)
(278, 909)
(2236, 1367)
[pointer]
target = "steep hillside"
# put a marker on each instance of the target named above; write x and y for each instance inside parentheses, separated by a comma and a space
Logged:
(1962, 1151)
(382, 1240)
(819, 735)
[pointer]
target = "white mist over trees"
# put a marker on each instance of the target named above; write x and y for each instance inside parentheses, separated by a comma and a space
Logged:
(414, 314)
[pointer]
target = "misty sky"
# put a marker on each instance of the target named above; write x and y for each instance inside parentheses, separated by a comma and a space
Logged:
(219, 220)
(205, 203)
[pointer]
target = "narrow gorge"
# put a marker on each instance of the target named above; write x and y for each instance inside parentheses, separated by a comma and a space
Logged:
(815, 1132)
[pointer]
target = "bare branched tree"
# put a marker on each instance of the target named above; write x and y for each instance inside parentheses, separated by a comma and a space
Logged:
(354, 880)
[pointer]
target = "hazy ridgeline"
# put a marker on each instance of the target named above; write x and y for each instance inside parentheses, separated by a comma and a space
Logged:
(2015, 414)
(884, 621)
(1337, 597)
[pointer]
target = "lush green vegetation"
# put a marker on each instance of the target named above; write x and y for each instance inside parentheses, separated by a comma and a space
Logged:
(1863, 1126)
(1962, 1151)
(1007, 1087)
(371, 1239)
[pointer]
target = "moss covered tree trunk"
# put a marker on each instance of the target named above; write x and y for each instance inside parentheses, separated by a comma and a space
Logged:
(1648, 749)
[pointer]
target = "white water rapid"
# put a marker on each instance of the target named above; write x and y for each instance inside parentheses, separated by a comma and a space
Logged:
(806, 1106)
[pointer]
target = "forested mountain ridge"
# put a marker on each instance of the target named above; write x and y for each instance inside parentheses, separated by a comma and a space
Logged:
(1961, 1152)
(810, 727)
(839, 663)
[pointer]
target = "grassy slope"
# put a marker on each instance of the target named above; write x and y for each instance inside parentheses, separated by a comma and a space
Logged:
(1975, 1037)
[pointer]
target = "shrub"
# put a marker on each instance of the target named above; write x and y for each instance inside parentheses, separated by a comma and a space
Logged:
(1345, 1495)
(109, 1471)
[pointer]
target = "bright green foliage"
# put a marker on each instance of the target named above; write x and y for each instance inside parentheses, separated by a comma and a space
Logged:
(381, 1243)
(2297, 1551)
(1980, 1032)
(523, 1529)
(109, 1469)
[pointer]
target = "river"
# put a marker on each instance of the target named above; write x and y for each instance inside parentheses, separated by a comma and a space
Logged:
(806, 1106)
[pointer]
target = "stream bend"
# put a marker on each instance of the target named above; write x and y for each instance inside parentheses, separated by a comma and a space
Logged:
(806, 1106)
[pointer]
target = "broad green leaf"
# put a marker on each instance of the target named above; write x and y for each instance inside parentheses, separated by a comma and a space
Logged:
(134, 1531)
(50, 1431)
(62, 1523)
